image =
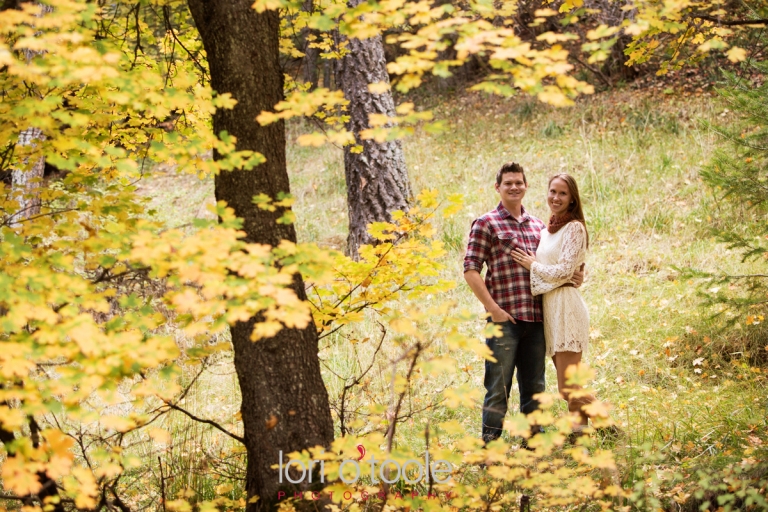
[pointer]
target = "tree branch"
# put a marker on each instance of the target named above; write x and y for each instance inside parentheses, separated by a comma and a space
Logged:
(732, 23)
(356, 381)
(208, 422)
(596, 72)
(169, 28)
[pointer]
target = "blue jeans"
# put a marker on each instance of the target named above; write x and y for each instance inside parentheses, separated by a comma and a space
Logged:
(520, 346)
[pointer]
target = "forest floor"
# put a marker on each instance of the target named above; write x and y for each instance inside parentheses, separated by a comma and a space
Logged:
(680, 386)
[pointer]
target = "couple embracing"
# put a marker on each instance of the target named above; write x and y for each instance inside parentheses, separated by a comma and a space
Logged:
(531, 291)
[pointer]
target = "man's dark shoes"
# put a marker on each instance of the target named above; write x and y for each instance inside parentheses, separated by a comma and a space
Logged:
(535, 429)
(525, 503)
(573, 437)
(611, 432)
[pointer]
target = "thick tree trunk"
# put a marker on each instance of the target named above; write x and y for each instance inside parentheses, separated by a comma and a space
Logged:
(279, 377)
(377, 180)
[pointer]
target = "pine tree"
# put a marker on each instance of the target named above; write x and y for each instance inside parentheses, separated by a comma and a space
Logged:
(738, 176)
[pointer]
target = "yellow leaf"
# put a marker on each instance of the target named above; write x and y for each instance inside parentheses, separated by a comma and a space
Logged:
(87, 335)
(224, 101)
(16, 368)
(518, 425)
(555, 97)
(11, 419)
(736, 54)
(404, 108)
(403, 326)
(635, 29)
(342, 137)
(87, 490)
(160, 435)
(179, 506)
(61, 458)
(579, 374)
(597, 408)
(108, 470)
(6, 57)
(266, 118)
(311, 139)
(554, 37)
(267, 5)
(378, 87)
(117, 423)
(265, 330)
(20, 476)
(223, 488)
(602, 31)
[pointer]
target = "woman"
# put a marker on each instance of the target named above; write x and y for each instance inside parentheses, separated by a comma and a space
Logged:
(561, 251)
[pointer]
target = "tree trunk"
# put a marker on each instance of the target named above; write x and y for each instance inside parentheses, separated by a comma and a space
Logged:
(377, 180)
(328, 74)
(311, 55)
(26, 179)
(279, 377)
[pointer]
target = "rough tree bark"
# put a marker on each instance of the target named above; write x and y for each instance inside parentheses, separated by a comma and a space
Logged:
(279, 377)
(377, 179)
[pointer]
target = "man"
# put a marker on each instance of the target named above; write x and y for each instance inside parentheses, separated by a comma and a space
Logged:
(506, 295)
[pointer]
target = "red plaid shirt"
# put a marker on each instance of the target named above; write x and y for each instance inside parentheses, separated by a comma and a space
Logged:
(491, 240)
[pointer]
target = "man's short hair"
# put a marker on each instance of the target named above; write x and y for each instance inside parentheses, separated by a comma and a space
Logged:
(510, 167)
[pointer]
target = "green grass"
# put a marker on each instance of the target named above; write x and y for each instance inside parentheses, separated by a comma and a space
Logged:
(636, 158)
(673, 377)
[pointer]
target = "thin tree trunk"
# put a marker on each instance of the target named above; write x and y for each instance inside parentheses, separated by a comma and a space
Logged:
(328, 74)
(279, 377)
(311, 55)
(26, 178)
(377, 179)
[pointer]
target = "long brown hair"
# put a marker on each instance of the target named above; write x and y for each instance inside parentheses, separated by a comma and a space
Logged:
(575, 207)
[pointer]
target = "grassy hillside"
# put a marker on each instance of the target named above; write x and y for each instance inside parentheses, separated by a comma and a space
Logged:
(680, 387)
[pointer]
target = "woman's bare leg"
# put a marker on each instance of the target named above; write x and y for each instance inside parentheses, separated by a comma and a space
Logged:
(562, 361)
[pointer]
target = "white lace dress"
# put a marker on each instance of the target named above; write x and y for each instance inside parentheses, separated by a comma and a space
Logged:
(566, 317)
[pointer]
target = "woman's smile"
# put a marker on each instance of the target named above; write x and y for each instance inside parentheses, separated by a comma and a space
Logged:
(559, 197)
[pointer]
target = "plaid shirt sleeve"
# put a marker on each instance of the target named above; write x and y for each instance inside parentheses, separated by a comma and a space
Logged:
(479, 246)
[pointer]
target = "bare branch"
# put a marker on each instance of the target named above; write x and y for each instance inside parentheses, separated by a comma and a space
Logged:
(732, 23)
(207, 422)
